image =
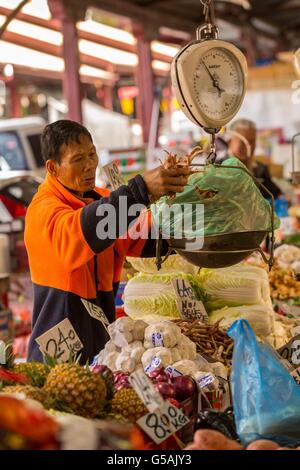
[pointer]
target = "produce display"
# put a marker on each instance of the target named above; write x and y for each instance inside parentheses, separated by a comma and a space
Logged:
(238, 285)
(160, 345)
(283, 283)
(209, 339)
(188, 363)
(150, 297)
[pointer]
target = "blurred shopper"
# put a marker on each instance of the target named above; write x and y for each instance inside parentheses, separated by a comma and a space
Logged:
(242, 145)
(69, 259)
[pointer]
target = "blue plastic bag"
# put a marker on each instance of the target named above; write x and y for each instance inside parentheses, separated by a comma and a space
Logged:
(266, 399)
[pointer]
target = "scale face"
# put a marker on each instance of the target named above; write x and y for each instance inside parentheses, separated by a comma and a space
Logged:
(209, 78)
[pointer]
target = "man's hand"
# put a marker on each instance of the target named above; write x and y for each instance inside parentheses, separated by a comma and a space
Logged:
(161, 182)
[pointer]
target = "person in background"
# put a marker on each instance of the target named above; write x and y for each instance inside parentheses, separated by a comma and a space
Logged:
(72, 264)
(242, 145)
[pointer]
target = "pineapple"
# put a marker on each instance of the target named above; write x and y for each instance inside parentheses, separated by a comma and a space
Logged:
(73, 388)
(36, 372)
(33, 393)
(127, 403)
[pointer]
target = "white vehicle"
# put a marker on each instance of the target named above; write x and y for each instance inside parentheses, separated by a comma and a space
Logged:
(20, 148)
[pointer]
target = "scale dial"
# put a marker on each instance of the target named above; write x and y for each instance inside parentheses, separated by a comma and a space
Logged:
(218, 84)
(209, 78)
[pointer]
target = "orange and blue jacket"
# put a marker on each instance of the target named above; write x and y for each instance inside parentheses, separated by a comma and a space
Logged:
(68, 262)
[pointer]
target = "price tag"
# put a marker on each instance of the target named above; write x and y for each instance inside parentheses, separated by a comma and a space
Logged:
(291, 351)
(162, 423)
(154, 364)
(187, 303)
(114, 176)
(296, 375)
(173, 372)
(96, 312)
(60, 341)
(145, 390)
(2, 352)
(205, 381)
(157, 339)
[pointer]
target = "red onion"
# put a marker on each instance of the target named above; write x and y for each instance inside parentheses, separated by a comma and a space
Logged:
(184, 387)
(167, 390)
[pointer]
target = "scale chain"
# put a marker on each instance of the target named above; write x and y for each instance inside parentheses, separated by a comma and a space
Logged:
(206, 9)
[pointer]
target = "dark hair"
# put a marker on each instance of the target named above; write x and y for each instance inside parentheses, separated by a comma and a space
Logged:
(59, 133)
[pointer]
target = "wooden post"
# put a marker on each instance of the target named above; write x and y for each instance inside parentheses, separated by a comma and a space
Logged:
(68, 18)
(14, 99)
(144, 80)
(107, 93)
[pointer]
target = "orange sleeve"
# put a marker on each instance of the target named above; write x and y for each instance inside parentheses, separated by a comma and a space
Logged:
(60, 231)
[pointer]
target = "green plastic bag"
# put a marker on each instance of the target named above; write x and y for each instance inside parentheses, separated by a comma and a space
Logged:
(231, 200)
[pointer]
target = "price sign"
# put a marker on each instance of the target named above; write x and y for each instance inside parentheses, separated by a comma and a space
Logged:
(60, 341)
(296, 375)
(291, 351)
(114, 176)
(96, 312)
(2, 352)
(145, 390)
(189, 306)
(163, 422)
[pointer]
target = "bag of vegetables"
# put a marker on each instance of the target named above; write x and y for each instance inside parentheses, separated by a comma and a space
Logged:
(232, 203)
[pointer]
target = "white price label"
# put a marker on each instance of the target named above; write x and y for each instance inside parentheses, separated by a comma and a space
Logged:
(154, 364)
(173, 372)
(162, 423)
(114, 176)
(96, 312)
(291, 351)
(60, 341)
(187, 303)
(2, 352)
(145, 390)
(157, 339)
(205, 381)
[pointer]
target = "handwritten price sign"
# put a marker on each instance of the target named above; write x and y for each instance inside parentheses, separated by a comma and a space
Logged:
(163, 422)
(291, 351)
(96, 312)
(115, 178)
(145, 390)
(189, 306)
(60, 341)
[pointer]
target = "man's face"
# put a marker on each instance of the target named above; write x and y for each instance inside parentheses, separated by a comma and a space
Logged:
(237, 146)
(78, 164)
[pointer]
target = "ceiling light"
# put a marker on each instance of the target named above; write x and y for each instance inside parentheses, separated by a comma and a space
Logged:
(91, 26)
(110, 54)
(159, 65)
(8, 70)
(37, 8)
(164, 49)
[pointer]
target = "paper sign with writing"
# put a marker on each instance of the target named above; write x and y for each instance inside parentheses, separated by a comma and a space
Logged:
(114, 176)
(291, 351)
(163, 422)
(96, 312)
(187, 303)
(2, 352)
(145, 390)
(60, 342)
(296, 375)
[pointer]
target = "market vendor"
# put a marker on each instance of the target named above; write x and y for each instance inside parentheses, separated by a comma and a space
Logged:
(69, 259)
(242, 145)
